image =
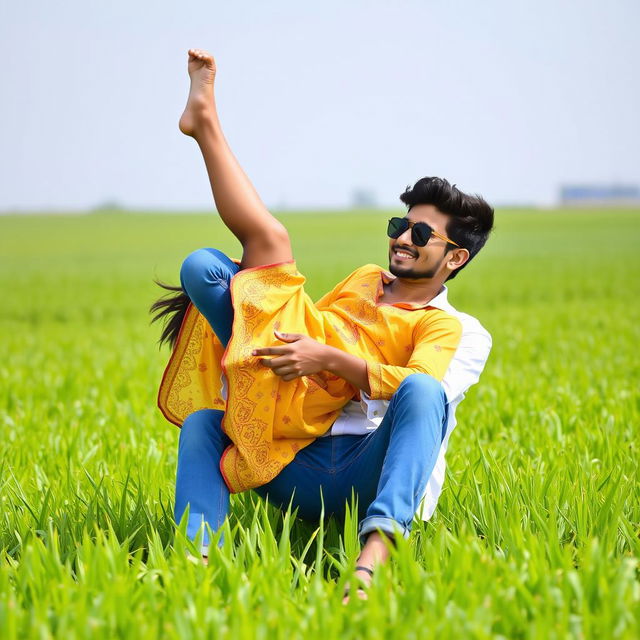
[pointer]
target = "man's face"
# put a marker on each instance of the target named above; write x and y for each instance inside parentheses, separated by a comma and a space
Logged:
(407, 260)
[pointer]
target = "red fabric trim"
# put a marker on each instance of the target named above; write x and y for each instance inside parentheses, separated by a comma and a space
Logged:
(224, 475)
(224, 372)
(263, 266)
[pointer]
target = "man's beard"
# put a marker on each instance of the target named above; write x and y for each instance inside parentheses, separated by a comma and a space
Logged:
(414, 274)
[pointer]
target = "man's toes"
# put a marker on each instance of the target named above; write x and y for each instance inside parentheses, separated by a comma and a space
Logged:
(361, 593)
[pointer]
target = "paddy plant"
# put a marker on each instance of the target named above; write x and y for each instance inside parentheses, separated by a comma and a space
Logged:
(537, 533)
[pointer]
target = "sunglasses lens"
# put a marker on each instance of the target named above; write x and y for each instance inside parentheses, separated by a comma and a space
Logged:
(397, 226)
(421, 232)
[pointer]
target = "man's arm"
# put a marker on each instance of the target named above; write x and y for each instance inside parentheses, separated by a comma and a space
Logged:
(436, 342)
(351, 368)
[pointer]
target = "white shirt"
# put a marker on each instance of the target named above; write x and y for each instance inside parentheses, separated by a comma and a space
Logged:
(361, 417)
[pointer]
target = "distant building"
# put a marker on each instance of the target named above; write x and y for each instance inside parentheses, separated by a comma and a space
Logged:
(613, 195)
(363, 199)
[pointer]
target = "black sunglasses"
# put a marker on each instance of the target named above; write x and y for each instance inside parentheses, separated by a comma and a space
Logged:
(420, 231)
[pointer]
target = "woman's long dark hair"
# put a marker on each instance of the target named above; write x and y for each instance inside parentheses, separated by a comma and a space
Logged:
(171, 308)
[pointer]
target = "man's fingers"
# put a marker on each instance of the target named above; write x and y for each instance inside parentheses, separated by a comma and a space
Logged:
(270, 351)
(282, 367)
(287, 337)
(284, 372)
(286, 369)
(273, 363)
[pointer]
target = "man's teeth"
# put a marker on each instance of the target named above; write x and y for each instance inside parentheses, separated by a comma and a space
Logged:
(402, 254)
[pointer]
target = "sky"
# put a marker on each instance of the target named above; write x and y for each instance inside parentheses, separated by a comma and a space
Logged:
(505, 98)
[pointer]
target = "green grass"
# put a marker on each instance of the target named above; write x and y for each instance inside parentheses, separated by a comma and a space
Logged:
(537, 530)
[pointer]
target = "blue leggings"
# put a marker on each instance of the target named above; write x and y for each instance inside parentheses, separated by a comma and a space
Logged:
(387, 469)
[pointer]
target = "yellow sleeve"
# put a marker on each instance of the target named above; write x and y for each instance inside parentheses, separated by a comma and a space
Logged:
(436, 342)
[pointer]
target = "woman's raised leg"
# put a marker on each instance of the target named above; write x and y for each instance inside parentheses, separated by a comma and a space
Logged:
(264, 239)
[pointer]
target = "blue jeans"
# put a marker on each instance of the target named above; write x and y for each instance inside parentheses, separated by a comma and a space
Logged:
(387, 469)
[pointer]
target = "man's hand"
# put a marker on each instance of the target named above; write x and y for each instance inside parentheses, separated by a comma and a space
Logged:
(300, 356)
(304, 356)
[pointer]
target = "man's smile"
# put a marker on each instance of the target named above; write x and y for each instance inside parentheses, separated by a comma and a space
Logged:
(403, 254)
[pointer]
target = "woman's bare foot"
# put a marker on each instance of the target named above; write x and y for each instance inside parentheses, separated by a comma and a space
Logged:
(202, 71)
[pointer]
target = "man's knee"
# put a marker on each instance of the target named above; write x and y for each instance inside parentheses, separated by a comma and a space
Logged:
(421, 385)
(201, 428)
(201, 267)
(424, 397)
(421, 390)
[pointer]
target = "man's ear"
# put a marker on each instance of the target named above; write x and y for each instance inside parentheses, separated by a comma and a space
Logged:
(457, 257)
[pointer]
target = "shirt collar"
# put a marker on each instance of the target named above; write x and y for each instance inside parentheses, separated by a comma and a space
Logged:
(439, 301)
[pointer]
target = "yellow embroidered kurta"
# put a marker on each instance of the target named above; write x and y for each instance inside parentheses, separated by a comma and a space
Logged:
(269, 420)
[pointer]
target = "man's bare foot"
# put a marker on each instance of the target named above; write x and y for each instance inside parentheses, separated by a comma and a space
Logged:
(375, 552)
(202, 71)
(364, 575)
(195, 559)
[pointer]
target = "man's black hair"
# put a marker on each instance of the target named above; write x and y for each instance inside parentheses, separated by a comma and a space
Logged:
(471, 217)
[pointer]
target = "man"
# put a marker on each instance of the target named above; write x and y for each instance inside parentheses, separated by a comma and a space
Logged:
(402, 353)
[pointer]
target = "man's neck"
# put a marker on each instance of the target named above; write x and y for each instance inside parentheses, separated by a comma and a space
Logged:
(411, 291)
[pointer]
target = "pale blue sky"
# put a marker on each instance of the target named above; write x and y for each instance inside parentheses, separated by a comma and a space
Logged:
(505, 98)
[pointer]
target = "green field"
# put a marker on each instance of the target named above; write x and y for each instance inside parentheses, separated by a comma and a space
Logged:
(537, 534)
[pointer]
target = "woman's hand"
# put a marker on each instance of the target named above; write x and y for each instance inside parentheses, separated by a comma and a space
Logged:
(300, 356)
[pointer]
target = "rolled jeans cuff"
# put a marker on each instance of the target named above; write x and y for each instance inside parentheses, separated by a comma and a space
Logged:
(387, 525)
